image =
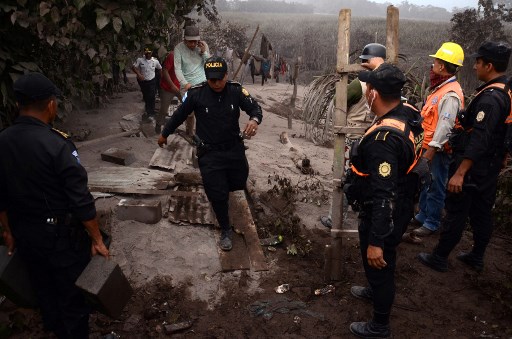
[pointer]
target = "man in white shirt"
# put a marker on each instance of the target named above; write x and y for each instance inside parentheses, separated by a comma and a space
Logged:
(145, 69)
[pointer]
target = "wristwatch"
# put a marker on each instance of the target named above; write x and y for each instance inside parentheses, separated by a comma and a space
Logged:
(255, 119)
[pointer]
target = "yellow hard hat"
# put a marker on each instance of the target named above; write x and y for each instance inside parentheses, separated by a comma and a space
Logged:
(450, 52)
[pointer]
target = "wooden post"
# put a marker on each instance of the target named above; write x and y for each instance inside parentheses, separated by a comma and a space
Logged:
(294, 95)
(333, 253)
(339, 120)
(392, 35)
(246, 53)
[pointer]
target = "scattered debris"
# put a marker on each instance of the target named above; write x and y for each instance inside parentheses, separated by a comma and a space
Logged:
(267, 308)
(173, 328)
(272, 241)
(325, 290)
(282, 288)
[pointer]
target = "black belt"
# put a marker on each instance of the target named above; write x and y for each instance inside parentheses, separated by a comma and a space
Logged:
(222, 147)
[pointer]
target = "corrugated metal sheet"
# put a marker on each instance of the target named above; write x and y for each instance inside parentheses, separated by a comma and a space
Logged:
(192, 210)
(175, 157)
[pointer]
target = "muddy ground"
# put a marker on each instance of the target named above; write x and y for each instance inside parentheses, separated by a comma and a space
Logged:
(176, 274)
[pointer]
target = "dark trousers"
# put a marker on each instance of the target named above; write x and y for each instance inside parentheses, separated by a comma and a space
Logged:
(223, 172)
(382, 282)
(55, 260)
(148, 89)
(475, 203)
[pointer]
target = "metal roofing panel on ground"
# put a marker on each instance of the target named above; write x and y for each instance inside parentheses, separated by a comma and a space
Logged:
(191, 209)
(175, 157)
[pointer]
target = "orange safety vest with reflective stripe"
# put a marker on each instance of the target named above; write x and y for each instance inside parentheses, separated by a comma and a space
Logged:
(388, 125)
(430, 111)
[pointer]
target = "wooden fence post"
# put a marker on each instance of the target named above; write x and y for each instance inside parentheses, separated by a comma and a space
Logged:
(339, 119)
(333, 252)
(392, 35)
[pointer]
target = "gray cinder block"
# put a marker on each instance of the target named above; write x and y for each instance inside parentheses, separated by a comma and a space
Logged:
(148, 211)
(14, 279)
(105, 286)
(118, 156)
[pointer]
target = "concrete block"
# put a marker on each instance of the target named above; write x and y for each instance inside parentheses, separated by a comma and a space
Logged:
(105, 286)
(149, 212)
(14, 279)
(118, 156)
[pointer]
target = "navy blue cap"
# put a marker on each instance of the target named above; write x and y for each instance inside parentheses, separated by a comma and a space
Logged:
(34, 87)
(387, 79)
(215, 68)
(495, 51)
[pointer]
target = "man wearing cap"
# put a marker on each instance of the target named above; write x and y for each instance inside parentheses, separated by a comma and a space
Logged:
(190, 56)
(381, 161)
(46, 210)
(479, 151)
(358, 115)
(220, 149)
(145, 69)
(439, 112)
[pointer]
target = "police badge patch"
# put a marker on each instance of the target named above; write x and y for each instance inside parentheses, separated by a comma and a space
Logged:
(384, 169)
(75, 154)
(244, 91)
(480, 116)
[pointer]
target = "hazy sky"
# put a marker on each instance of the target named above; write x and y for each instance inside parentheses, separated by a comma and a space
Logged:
(448, 4)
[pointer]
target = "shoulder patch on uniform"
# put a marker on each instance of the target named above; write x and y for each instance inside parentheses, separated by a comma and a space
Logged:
(64, 135)
(480, 116)
(381, 135)
(384, 169)
(244, 91)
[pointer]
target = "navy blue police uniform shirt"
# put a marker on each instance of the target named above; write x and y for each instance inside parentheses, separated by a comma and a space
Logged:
(487, 114)
(217, 114)
(40, 174)
(386, 157)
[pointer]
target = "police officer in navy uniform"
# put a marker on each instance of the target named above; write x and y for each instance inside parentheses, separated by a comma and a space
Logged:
(46, 210)
(479, 151)
(221, 152)
(381, 162)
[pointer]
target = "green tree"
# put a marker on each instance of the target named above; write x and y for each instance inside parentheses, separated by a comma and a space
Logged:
(474, 26)
(79, 43)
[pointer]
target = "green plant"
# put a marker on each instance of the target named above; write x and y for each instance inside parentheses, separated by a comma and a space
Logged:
(83, 44)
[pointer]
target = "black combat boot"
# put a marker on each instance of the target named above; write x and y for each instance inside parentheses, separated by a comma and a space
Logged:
(434, 261)
(472, 260)
(364, 293)
(370, 330)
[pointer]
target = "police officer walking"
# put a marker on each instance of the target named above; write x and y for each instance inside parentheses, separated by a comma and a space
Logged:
(46, 210)
(479, 150)
(381, 161)
(220, 149)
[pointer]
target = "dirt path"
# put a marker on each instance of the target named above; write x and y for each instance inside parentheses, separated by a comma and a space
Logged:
(176, 272)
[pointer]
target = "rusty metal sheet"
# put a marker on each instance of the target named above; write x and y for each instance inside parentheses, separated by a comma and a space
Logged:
(191, 209)
(237, 258)
(241, 218)
(127, 178)
(175, 157)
